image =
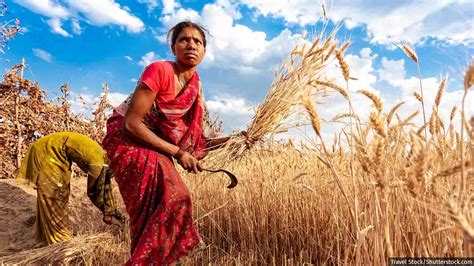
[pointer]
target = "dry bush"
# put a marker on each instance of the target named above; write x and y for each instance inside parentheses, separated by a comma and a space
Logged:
(9, 29)
(27, 115)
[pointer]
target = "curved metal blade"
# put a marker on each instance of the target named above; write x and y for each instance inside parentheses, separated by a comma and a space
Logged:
(233, 179)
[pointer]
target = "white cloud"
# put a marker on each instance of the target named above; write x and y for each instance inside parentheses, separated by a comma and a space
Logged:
(386, 22)
(234, 111)
(86, 103)
(392, 69)
(45, 7)
(411, 21)
(76, 27)
(116, 98)
(361, 67)
(105, 12)
(301, 12)
(394, 72)
(169, 6)
(56, 27)
(97, 12)
(43, 54)
(147, 59)
(233, 45)
(129, 58)
(151, 4)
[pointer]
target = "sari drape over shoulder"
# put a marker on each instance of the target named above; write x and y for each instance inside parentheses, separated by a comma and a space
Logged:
(156, 198)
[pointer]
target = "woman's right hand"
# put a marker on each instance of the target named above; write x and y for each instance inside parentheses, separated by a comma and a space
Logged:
(189, 163)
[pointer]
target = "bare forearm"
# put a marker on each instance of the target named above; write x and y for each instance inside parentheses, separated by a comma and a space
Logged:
(216, 143)
(144, 135)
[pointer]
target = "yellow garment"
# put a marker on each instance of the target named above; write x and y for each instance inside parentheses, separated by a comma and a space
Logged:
(47, 166)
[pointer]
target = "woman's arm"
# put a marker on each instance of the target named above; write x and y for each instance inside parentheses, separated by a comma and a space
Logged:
(216, 143)
(140, 104)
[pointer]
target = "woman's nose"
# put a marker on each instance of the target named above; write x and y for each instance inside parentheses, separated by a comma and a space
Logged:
(192, 45)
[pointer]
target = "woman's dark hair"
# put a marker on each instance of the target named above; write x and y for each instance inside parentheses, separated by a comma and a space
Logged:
(174, 31)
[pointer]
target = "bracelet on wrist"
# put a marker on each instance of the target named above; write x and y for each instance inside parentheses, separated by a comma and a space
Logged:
(179, 153)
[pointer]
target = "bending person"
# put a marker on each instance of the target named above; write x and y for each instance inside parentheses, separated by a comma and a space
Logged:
(47, 165)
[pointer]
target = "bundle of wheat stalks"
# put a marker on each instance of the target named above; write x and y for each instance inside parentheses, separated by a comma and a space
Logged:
(301, 75)
(81, 249)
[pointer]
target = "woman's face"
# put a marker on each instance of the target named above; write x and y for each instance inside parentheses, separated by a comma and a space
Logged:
(189, 47)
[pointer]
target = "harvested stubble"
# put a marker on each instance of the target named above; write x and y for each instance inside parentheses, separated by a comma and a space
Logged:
(84, 249)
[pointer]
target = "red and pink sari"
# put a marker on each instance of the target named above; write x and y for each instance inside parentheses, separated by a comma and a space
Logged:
(156, 198)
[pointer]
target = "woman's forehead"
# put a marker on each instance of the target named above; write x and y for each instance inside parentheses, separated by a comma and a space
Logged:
(190, 32)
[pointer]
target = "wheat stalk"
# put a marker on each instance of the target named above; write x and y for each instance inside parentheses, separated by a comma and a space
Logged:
(375, 100)
(333, 86)
(418, 96)
(453, 113)
(409, 51)
(468, 82)
(344, 66)
(314, 117)
(377, 124)
(439, 94)
(345, 46)
(392, 112)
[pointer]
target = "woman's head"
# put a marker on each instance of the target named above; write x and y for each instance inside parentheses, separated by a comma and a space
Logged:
(173, 33)
(188, 43)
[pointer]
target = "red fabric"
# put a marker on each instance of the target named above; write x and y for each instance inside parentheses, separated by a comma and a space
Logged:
(159, 77)
(157, 200)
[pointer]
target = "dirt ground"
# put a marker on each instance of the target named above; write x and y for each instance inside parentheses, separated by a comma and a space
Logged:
(17, 214)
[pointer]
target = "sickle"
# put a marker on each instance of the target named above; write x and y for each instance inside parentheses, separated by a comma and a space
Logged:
(233, 179)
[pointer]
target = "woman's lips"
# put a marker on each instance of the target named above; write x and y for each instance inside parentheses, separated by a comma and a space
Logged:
(190, 55)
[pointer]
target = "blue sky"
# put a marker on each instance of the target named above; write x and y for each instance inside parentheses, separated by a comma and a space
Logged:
(89, 42)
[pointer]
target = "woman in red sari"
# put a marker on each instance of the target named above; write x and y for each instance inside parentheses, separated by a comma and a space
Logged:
(162, 119)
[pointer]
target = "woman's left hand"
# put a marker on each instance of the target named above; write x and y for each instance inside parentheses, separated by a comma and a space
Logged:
(107, 219)
(249, 141)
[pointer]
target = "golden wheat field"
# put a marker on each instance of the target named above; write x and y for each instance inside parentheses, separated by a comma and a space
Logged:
(384, 187)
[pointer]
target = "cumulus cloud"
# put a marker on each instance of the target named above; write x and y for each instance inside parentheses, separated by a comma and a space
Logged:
(147, 59)
(233, 45)
(234, 111)
(106, 12)
(392, 70)
(129, 58)
(86, 103)
(76, 27)
(46, 7)
(301, 12)
(97, 12)
(169, 6)
(42, 54)
(116, 98)
(151, 4)
(386, 22)
(56, 27)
